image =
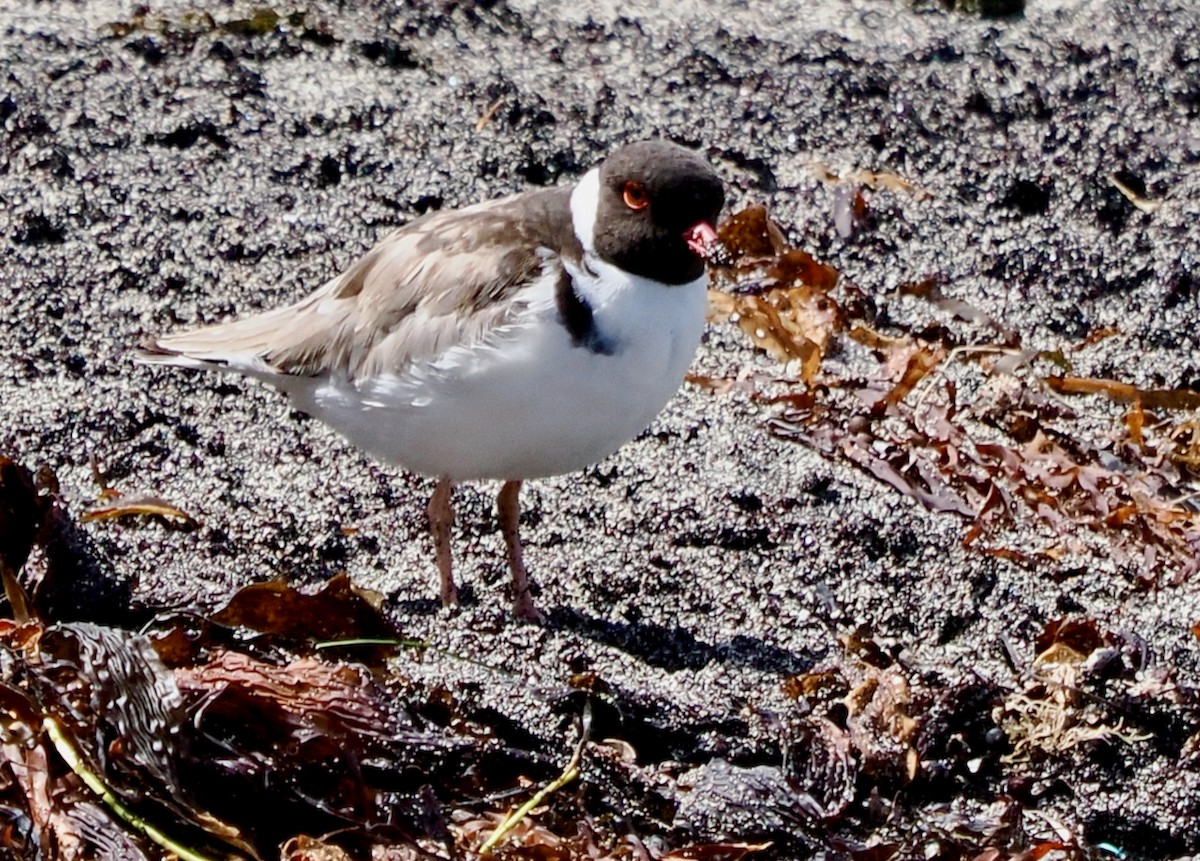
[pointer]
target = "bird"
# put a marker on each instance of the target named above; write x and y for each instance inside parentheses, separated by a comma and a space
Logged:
(523, 337)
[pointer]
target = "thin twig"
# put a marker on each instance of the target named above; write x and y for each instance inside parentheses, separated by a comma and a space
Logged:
(569, 773)
(66, 749)
(488, 114)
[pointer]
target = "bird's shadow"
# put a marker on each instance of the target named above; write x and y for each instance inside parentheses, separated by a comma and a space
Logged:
(668, 648)
(675, 648)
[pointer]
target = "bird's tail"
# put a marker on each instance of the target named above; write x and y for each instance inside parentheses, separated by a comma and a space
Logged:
(241, 346)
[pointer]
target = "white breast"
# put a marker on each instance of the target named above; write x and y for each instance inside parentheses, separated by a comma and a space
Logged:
(531, 403)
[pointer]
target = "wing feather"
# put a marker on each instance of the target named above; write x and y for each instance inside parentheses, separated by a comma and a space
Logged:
(444, 280)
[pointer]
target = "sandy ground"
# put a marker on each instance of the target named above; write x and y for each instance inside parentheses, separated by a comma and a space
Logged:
(178, 172)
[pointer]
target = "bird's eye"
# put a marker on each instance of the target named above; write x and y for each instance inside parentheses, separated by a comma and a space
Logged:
(635, 195)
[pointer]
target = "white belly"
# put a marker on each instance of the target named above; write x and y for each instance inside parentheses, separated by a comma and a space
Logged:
(528, 403)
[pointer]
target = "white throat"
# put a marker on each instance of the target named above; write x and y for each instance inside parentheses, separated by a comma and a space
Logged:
(584, 201)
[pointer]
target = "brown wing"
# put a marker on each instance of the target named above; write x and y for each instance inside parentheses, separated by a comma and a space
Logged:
(446, 279)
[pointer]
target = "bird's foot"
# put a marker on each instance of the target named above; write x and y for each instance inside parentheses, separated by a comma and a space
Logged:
(449, 593)
(525, 609)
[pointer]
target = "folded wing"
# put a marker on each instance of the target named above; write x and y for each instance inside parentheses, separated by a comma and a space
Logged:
(446, 279)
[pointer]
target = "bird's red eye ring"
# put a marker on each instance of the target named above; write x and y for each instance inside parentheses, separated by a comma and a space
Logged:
(635, 196)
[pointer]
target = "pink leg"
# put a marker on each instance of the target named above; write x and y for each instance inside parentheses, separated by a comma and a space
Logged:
(508, 505)
(441, 518)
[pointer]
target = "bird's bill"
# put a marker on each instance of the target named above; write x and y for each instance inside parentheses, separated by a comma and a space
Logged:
(701, 238)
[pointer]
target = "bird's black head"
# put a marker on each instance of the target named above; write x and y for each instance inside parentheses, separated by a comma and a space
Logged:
(657, 208)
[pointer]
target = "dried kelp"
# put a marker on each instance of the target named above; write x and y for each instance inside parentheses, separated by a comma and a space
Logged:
(778, 295)
(909, 427)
